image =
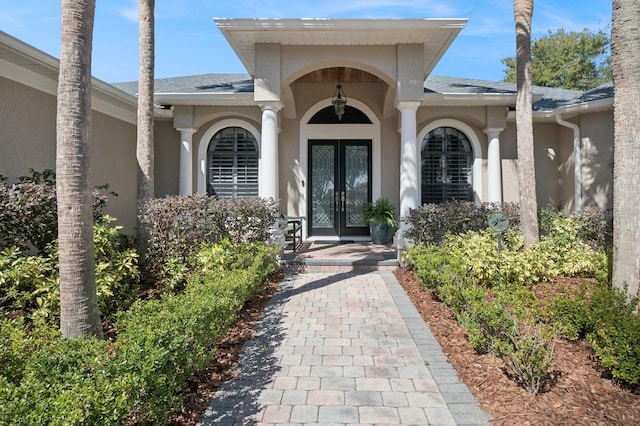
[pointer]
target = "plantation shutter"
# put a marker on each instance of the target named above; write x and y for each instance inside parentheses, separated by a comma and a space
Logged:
(446, 166)
(233, 164)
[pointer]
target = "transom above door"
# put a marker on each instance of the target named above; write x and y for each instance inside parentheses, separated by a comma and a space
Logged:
(339, 187)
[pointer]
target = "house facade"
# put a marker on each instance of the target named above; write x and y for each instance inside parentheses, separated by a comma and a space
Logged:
(274, 132)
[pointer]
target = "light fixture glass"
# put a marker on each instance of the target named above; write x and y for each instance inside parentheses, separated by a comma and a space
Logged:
(339, 99)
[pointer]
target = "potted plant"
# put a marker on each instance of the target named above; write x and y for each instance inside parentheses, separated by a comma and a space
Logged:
(381, 217)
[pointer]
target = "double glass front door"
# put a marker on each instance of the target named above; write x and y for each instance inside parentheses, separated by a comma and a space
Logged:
(339, 187)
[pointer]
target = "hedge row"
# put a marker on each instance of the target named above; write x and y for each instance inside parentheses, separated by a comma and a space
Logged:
(178, 225)
(137, 377)
(431, 222)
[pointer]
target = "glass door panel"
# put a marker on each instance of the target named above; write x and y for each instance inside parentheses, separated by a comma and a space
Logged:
(322, 182)
(356, 186)
(339, 187)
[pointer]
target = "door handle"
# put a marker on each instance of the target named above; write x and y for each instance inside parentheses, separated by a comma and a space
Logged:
(337, 206)
(343, 200)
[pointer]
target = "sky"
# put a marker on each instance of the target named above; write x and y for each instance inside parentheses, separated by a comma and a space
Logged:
(189, 43)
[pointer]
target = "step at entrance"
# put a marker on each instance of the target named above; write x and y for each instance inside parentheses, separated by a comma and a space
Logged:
(340, 257)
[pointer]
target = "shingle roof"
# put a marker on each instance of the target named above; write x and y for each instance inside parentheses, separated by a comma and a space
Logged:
(551, 98)
(604, 91)
(439, 84)
(204, 83)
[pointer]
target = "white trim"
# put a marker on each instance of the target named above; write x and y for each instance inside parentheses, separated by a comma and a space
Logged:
(475, 146)
(185, 185)
(205, 139)
(409, 159)
(494, 165)
(577, 160)
(337, 131)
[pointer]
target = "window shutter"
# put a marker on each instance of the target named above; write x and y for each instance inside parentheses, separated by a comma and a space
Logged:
(233, 164)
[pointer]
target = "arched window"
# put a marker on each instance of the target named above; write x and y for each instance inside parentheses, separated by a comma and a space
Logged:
(351, 116)
(446, 172)
(232, 164)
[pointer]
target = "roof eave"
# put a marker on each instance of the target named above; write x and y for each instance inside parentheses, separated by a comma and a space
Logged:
(468, 99)
(243, 34)
(34, 68)
(209, 98)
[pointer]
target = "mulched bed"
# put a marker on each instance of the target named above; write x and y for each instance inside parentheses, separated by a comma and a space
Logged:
(577, 395)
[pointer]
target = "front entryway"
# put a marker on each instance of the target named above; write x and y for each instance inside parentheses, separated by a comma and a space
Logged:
(339, 187)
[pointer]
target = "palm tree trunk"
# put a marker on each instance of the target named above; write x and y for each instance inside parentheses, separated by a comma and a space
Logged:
(79, 314)
(523, 12)
(145, 146)
(625, 67)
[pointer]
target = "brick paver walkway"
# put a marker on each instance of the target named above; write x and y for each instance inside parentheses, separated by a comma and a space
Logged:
(343, 348)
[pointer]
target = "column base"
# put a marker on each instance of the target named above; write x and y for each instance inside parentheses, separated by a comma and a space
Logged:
(402, 243)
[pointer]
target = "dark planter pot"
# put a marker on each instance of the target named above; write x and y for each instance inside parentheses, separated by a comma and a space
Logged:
(380, 233)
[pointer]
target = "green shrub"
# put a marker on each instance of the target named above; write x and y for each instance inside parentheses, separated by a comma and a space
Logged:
(519, 300)
(570, 315)
(227, 256)
(566, 254)
(178, 225)
(616, 334)
(136, 379)
(117, 273)
(595, 227)
(429, 263)
(528, 356)
(29, 216)
(30, 283)
(488, 323)
(68, 382)
(431, 222)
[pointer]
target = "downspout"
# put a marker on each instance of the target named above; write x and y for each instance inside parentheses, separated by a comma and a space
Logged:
(577, 160)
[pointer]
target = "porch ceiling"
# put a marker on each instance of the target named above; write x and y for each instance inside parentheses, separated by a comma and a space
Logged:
(436, 35)
(344, 74)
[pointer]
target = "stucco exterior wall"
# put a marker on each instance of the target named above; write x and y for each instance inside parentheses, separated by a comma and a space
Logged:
(113, 161)
(549, 158)
(597, 159)
(390, 164)
(166, 159)
(566, 169)
(28, 140)
(27, 129)
(289, 168)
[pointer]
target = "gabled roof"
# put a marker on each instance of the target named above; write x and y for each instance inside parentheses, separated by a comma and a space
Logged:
(436, 35)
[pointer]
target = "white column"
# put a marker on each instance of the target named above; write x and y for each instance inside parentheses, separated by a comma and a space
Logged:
(494, 166)
(409, 164)
(268, 185)
(185, 186)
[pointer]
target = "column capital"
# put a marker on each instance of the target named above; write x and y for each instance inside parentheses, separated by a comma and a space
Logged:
(408, 105)
(271, 106)
(190, 130)
(492, 131)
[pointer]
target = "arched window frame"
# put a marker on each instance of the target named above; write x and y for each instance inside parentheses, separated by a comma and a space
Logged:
(205, 140)
(472, 137)
(232, 157)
